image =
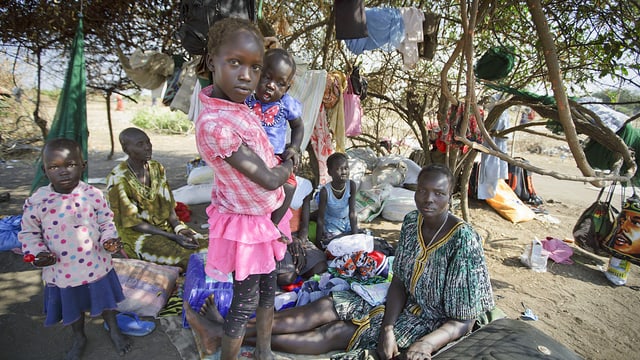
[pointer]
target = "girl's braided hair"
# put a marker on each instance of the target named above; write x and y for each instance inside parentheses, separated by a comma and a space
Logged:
(224, 28)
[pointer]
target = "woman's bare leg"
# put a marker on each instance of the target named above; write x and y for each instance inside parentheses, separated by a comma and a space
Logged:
(300, 318)
(297, 327)
(329, 337)
(208, 332)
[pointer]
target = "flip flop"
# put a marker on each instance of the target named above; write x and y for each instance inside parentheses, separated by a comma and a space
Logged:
(130, 324)
(529, 315)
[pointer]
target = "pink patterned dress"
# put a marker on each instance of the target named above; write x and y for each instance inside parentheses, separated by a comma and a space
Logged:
(242, 238)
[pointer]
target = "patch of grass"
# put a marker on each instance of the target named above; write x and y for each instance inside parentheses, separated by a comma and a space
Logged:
(162, 121)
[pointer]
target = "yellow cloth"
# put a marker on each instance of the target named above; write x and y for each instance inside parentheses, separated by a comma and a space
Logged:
(335, 115)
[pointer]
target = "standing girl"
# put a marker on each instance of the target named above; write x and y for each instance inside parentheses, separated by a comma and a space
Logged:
(247, 187)
(337, 202)
(68, 230)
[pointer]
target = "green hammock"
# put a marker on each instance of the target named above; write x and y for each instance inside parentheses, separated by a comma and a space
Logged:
(544, 99)
(70, 120)
(599, 157)
(496, 63)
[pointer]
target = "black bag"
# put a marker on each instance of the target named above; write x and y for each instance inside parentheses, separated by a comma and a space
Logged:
(623, 240)
(596, 224)
(521, 183)
(358, 83)
(472, 190)
(197, 16)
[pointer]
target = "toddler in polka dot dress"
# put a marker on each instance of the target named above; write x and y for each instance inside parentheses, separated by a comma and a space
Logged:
(68, 231)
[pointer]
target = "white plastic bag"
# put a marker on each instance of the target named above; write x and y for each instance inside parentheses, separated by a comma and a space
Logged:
(193, 194)
(200, 175)
(535, 256)
(349, 244)
(369, 203)
(392, 174)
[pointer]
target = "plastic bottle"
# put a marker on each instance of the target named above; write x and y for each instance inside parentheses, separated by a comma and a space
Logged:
(617, 271)
(538, 256)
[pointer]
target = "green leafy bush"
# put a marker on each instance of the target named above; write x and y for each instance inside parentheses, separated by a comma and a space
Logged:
(162, 120)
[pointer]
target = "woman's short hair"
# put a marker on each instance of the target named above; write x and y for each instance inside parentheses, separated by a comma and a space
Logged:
(439, 169)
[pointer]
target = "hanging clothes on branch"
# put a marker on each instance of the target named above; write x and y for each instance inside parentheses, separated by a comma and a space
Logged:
(430, 26)
(385, 28)
(335, 88)
(149, 69)
(352, 111)
(322, 145)
(350, 19)
(413, 19)
(492, 168)
(308, 87)
(454, 118)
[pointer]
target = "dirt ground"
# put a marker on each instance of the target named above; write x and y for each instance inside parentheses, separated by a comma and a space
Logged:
(575, 303)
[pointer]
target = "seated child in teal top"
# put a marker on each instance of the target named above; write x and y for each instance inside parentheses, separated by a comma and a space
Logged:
(337, 202)
(277, 111)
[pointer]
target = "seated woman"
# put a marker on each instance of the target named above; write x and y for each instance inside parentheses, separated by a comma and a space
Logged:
(144, 208)
(302, 256)
(440, 287)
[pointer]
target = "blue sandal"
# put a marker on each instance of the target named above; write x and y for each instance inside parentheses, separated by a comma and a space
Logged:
(130, 324)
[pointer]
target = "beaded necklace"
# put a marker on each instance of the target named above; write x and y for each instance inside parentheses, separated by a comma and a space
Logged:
(344, 186)
(144, 172)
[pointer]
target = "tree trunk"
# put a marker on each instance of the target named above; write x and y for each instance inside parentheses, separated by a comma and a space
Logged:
(108, 97)
(42, 123)
(555, 76)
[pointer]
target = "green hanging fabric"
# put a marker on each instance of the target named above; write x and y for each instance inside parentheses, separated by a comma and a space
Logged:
(496, 63)
(544, 99)
(70, 120)
(598, 156)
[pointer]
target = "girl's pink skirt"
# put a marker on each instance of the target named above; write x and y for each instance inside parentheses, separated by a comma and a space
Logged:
(244, 244)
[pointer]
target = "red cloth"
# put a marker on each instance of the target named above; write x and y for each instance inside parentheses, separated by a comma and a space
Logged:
(183, 212)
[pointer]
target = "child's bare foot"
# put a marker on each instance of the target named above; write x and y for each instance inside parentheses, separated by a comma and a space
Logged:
(263, 354)
(121, 342)
(210, 311)
(79, 344)
(208, 332)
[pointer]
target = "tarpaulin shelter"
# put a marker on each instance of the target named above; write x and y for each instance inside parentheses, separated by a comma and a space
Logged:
(70, 120)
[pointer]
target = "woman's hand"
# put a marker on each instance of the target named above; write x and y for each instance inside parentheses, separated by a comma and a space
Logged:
(387, 345)
(187, 239)
(44, 258)
(113, 245)
(297, 253)
(420, 350)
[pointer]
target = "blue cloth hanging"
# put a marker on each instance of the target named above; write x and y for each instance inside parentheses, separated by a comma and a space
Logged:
(385, 28)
